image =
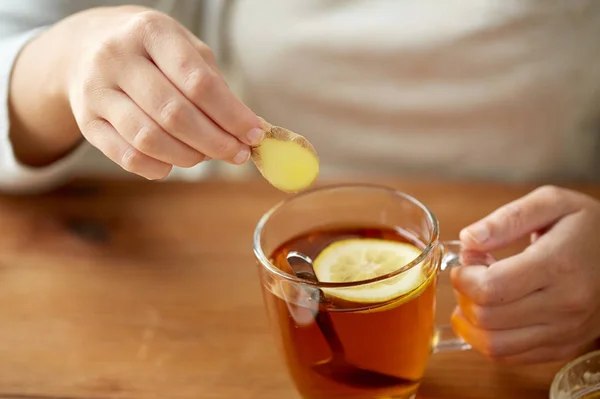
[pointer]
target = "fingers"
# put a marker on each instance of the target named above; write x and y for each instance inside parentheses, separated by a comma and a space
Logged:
(564, 352)
(141, 132)
(500, 343)
(179, 59)
(517, 219)
(524, 312)
(469, 257)
(177, 115)
(103, 136)
(503, 282)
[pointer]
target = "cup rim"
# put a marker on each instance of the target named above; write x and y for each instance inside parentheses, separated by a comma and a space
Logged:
(266, 263)
(554, 388)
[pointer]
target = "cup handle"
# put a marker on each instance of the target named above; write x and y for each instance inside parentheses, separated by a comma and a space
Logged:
(445, 338)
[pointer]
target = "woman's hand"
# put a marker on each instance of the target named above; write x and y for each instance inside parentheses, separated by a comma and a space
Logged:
(148, 93)
(542, 304)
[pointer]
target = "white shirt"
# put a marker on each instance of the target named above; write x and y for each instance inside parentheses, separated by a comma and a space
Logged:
(504, 89)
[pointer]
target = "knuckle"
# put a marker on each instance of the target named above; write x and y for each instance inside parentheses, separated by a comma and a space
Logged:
(92, 127)
(564, 267)
(191, 161)
(549, 191)
(225, 148)
(172, 113)
(199, 82)
(146, 138)
(89, 86)
(205, 50)
(207, 53)
(132, 160)
(161, 174)
(104, 51)
(145, 22)
(493, 348)
(578, 301)
(92, 89)
(512, 216)
(483, 317)
(556, 198)
(485, 293)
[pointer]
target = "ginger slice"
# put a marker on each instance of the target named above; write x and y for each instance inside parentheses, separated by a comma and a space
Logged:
(285, 159)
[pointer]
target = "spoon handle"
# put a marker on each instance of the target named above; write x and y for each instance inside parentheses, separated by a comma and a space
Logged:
(325, 324)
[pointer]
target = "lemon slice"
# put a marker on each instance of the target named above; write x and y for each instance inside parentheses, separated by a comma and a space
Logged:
(360, 259)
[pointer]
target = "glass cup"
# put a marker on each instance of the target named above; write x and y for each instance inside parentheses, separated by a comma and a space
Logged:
(339, 349)
(579, 379)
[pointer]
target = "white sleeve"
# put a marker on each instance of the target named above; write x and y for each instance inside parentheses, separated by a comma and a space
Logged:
(20, 22)
(14, 176)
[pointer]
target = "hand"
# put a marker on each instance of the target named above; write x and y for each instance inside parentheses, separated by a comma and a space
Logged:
(149, 95)
(542, 304)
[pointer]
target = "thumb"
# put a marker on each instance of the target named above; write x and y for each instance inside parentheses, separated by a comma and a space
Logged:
(537, 210)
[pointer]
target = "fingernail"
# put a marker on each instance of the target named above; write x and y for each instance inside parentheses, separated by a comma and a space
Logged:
(478, 233)
(255, 136)
(242, 156)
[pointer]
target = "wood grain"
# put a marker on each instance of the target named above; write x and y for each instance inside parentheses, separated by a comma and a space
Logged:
(127, 289)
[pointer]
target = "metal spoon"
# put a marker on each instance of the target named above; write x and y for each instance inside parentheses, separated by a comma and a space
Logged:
(337, 368)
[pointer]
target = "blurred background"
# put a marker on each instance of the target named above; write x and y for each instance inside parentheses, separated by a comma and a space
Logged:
(475, 89)
(492, 90)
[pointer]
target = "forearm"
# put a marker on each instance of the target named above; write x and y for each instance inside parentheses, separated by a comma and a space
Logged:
(42, 126)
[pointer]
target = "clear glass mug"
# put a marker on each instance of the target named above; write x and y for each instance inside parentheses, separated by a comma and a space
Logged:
(366, 351)
(578, 379)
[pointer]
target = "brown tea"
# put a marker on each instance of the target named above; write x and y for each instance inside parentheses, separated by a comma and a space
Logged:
(391, 338)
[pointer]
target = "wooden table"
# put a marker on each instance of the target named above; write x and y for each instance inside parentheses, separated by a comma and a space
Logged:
(149, 290)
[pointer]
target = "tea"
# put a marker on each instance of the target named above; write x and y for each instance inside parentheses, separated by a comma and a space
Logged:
(392, 336)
